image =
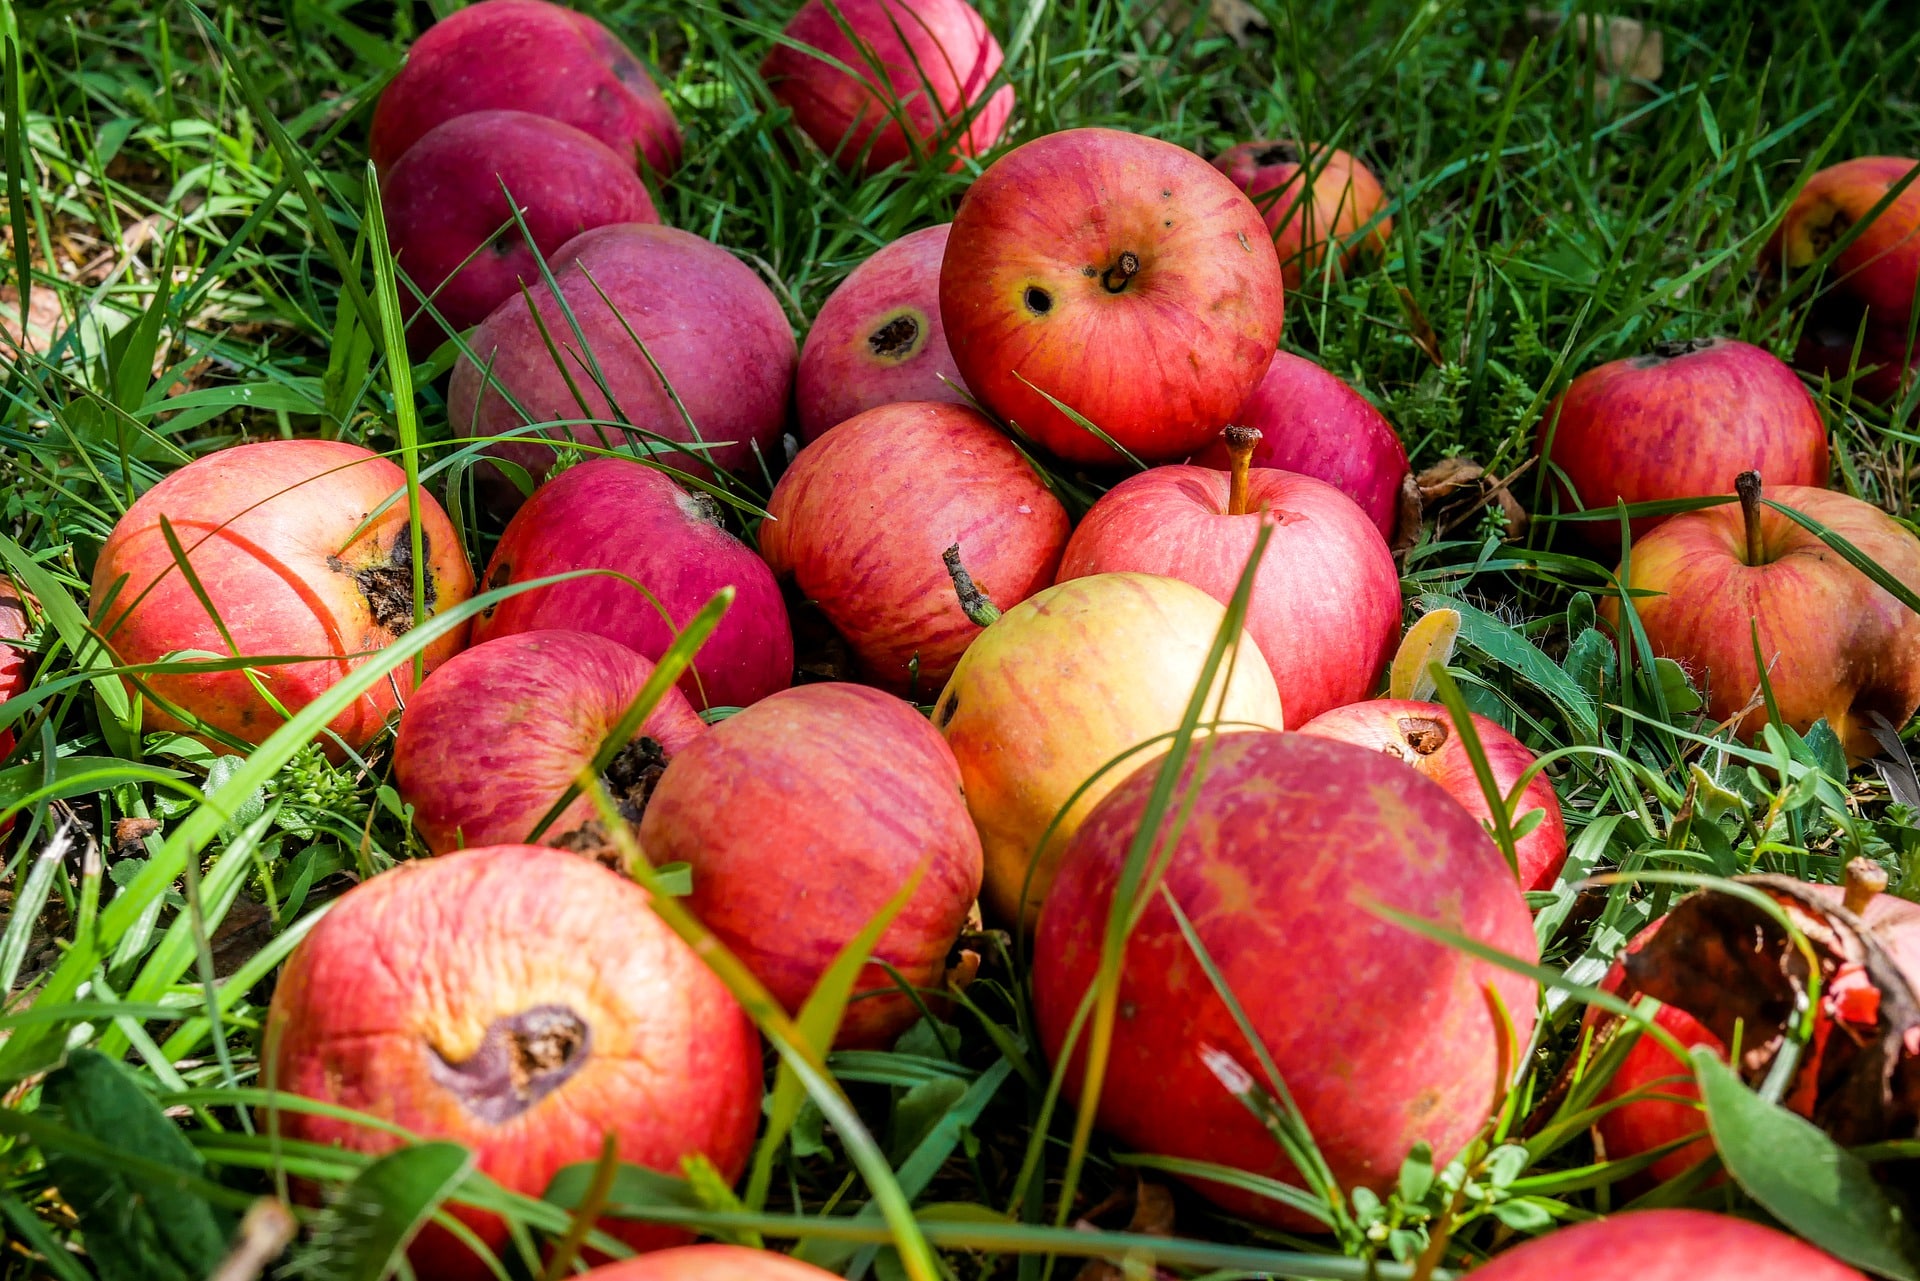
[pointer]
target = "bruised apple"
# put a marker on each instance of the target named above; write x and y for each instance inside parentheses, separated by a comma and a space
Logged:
(1087, 671)
(1308, 216)
(523, 1002)
(710, 1263)
(1123, 277)
(878, 339)
(494, 738)
(1666, 1245)
(1278, 864)
(282, 538)
(1879, 272)
(801, 817)
(863, 516)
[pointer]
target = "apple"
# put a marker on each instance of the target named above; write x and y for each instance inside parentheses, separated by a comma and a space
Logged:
(617, 514)
(1712, 576)
(1312, 422)
(1123, 276)
(714, 328)
(710, 1263)
(1325, 610)
(450, 226)
(862, 517)
(1883, 367)
(1064, 683)
(878, 339)
(498, 734)
(1283, 845)
(274, 533)
(1675, 424)
(520, 1001)
(1666, 1245)
(1880, 271)
(914, 81)
(1342, 198)
(1423, 735)
(800, 817)
(526, 55)
(15, 669)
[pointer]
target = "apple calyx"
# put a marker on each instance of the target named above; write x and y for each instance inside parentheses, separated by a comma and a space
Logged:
(1865, 878)
(1114, 279)
(1240, 442)
(1423, 734)
(387, 584)
(1747, 485)
(631, 776)
(1672, 348)
(980, 611)
(522, 1058)
(1277, 153)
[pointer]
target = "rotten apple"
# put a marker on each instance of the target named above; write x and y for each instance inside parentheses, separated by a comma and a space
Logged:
(1312, 198)
(1123, 277)
(1666, 1245)
(1879, 273)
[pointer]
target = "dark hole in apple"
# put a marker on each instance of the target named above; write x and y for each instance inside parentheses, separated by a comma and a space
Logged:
(500, 576)
(522, 1059)
(1038, 300)
(1822, 235)
(388, 585)
(1278, 153)
(1423, 734)
(943, 715)
(895, 338)
(1682, 347)
(632, 774)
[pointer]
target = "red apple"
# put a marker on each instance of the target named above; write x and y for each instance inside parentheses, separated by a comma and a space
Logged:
(1312, 422)
(616, 514)
(15, 671)
(1882, 368)
(1062, 685)
(1712, 576)
(1880, 270)
(1286, 844)
(1666, 1245)
(1326, 600)
(274, 534)
(500, 732)
(523, 1002)
(878, 340)
(1121, 275)
(1343, 197)
(445, 205)
(926, 64)
(526, 55)
(1678, 422)
(1423, 735)
(862, 517)
(710, 1263)
(801, 817)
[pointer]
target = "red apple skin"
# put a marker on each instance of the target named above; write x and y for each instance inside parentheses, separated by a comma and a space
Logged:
(939, 61)
(878, 339)
(710, 1263)
(715, 329)
(862, 516)
(269, 529)
(1312, 422)
(1325, 610)
(1707, 599)
(1666, 1245)
(443, 201)
(15, 671)
(1880, 270)
(387, 1005)
(527, 55)
(1424, 737)
(865, 792)
(500, 732)
(1159, 360)
(617, 514)
(1681, 422)
(1882, 370)
(1345, 197)
(1288, 836)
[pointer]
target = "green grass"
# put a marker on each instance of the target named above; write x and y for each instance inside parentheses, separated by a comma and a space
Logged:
(187, 190)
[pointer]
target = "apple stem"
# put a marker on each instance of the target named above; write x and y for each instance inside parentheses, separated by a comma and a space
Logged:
(973, 602)
(1115, 278)
(1240, 445)
(1747, 485)
(1865, 878)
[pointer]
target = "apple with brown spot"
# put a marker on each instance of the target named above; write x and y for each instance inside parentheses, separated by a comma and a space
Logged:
(1314, 199)
(1879, 272)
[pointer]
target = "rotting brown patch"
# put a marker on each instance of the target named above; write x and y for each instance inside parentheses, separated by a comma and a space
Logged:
(895, 339)
(1423, 734)
(1279, 153)
(522, 1058)
(388, 585)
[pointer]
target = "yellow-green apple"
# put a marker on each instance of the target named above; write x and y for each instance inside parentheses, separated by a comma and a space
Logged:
(1880, 271)
(862, 517)
(1061, 685)
(1836, 645)
(1424, 736)
(1303, 218)
(875, 82)
(800, 818)
(453, 232)
(1284, 849)
(716, 332)
(283, 540)
(1325, 609)
(1675, 423)
(878, 339)
(525, 1003)
(526, 55)
(1122, 276)
(617, 514)
(1666, 1245)
(495, 737)
(1312, 422)
(709, 1263)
